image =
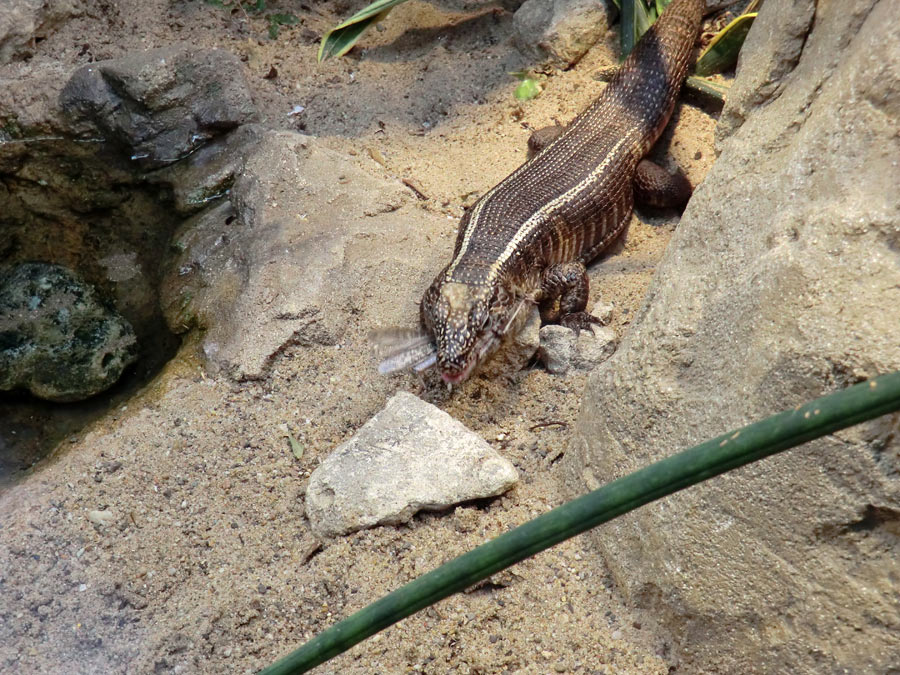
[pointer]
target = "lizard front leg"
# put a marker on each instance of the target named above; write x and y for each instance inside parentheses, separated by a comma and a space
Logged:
(564, 295)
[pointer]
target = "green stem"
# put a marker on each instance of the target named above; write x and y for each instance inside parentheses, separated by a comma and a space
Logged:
(780, 432)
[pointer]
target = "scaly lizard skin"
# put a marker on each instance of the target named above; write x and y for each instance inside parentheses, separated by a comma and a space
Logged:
(528, 239)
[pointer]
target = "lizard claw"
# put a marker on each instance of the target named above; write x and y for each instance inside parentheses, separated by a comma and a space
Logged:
(580, 320)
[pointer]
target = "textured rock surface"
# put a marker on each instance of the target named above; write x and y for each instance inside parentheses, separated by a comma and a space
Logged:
(782, 283)
(162, 104)
(23, 21)
(269, 268)
(561, 31)
(770, 52)
(56, 339)
(410, 456)
(562, 349)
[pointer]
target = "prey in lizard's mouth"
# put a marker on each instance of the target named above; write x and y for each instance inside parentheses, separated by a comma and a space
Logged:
(462, 326)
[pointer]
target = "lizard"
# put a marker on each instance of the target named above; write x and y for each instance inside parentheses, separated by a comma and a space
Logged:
(527, 240)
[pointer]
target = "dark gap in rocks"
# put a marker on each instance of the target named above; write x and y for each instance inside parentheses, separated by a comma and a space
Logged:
(82, 206)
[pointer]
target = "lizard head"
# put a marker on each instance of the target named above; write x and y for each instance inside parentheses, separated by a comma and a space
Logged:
(467, 322)
(462, 324)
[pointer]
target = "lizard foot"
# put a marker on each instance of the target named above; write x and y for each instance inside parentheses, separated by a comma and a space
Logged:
(578, 321)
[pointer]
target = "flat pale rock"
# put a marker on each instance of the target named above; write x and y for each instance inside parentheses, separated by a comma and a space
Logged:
(409, 457)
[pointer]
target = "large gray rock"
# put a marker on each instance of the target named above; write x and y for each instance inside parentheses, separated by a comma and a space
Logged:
(561, 31)
(161, 104)
(409, 457)
(56, 339)
(22, 21)
(771, 51)
(781, 283)
(304, 233)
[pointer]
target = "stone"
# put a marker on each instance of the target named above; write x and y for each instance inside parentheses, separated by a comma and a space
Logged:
(557, 348)
(771, 51)
(205, 177)
(603, 311)
(560, 32)
(161, 104)
(563, 350)
(781, 284)
(410, 456)
(56, 338)
(593, 347)
(101, 518)
(517, 352)
(23, 21)
(268, 267)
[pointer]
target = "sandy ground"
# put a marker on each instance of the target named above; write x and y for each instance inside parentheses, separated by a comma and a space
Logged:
(209, 565)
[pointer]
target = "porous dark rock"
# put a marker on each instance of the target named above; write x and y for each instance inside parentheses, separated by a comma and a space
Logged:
(781, 284)
(161, 104)
(57, 339)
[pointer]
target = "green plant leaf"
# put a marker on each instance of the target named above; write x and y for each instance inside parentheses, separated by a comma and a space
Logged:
(722, 52)
(635, 22)
(716, 90)
(276, 20)
(339, 40)
(753, 442)
(296, 448)
(527, 89)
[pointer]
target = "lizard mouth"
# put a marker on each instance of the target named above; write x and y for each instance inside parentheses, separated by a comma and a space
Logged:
(487, 344)
(459, 375)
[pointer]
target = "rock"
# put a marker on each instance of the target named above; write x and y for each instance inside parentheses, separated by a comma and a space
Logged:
(593, 347)
(204, 178)
(557, 348)
(770, 52)
(603, 311)
(23, 21)
(56, 339)
(517, 352)
(781, 283)
(101, 518)
(162, 104)
(562, 350)
(561, 31)
(409, 457)
(289, 255)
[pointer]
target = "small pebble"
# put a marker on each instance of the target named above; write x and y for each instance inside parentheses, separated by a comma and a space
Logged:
(617, 635)
(101, 518)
